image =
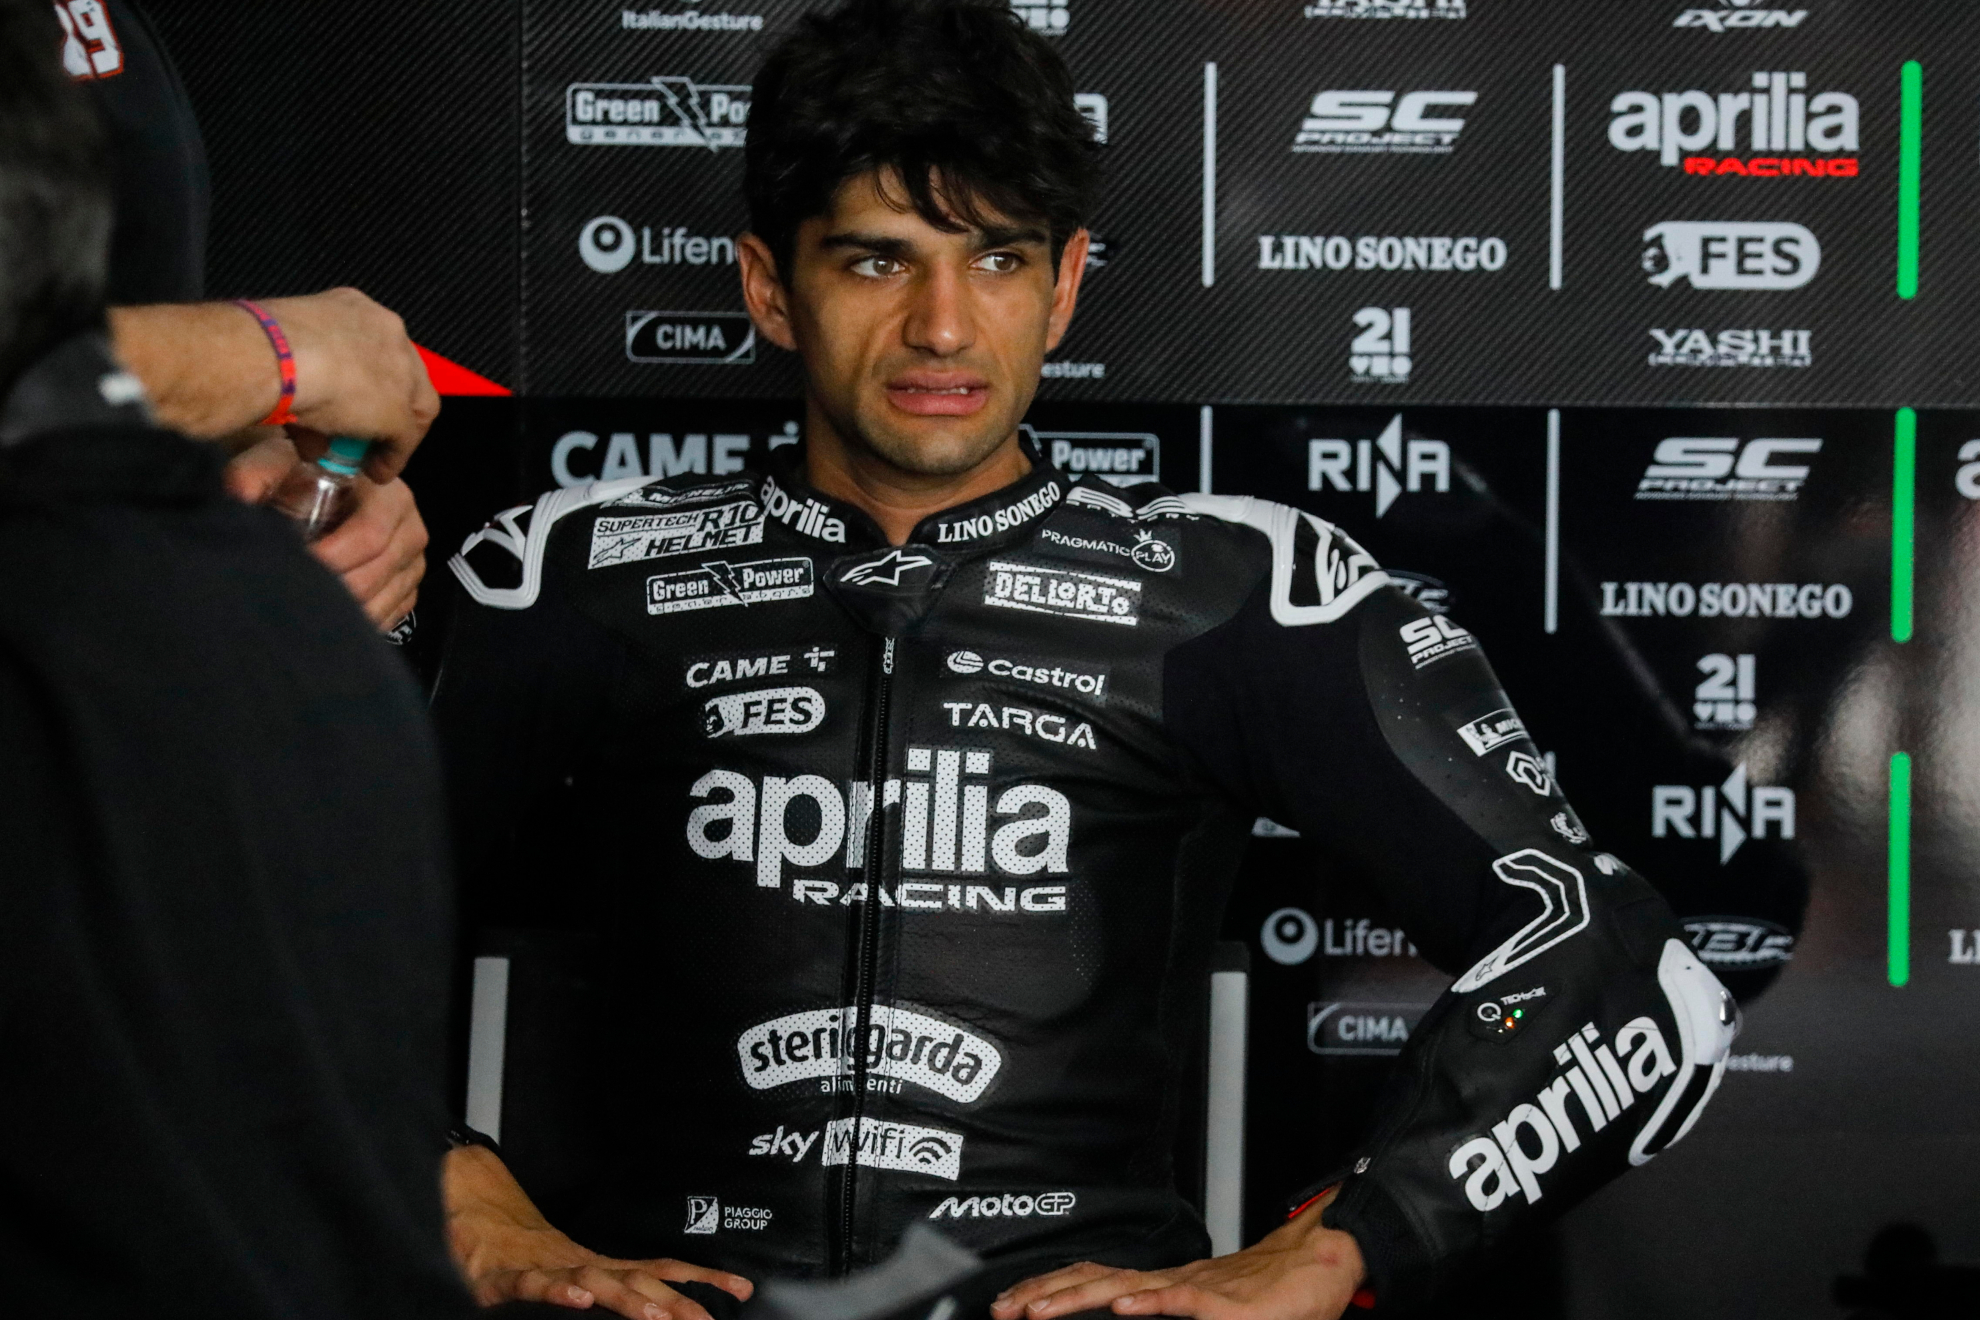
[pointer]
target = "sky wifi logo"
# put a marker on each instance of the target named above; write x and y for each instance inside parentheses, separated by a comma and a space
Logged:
(1731, 812)
(1389, 465)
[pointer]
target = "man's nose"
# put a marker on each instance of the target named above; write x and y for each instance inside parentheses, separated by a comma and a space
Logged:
(941, 320)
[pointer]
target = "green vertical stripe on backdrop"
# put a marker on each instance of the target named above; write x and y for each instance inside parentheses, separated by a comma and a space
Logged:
(1911, 120)
(1899, 937)
(1904, 483)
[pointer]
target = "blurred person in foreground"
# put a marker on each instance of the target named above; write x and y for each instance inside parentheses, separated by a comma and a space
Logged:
(224, 926)
(215, 370)
(908, 776)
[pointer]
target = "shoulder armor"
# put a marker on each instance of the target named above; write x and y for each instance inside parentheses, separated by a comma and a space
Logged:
(1318, 572)
(524, 533)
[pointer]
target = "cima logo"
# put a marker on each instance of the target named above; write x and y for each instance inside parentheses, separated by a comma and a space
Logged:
(1732, 812)
(1389, 465)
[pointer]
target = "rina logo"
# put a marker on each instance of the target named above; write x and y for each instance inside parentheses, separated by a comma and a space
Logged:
(907, 1045)
(1388, 464)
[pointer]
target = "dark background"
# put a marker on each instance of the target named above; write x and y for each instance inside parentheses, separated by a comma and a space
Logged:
(418, 151)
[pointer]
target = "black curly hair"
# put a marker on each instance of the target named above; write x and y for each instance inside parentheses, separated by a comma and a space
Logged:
(971, 108)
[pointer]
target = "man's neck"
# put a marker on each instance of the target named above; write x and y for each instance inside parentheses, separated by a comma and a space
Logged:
(894, 498)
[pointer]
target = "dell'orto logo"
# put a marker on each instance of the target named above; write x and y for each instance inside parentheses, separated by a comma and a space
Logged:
(1737, 15)
(666, 111)
(1381, 353)
(1731, 254)
(1724, 698)
(1732, 812)
(1780, 116)
(1388, 464)
(1723, 468)
(1419, 123)
(705, 338)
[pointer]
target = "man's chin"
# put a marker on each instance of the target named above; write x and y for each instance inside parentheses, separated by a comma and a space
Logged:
(936, 455)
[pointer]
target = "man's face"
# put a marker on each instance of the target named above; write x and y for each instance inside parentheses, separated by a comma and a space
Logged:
(920, 346)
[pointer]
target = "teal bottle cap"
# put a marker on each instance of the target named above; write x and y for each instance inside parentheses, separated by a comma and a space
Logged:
(345, 455)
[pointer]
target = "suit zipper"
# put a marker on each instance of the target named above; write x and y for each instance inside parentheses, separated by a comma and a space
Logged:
(868, 950)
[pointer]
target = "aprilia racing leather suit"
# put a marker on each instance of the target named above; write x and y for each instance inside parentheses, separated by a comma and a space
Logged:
(917, 855)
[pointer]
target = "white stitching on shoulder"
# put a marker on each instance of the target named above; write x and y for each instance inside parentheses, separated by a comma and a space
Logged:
(1343, 573)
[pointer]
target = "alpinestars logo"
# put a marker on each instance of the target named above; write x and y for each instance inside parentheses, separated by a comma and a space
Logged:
(1781, 117)
(1432, 639)
(666, 111)
(888, 570)
(1731, 812)
(1755, 255)
(1733, 15)
(1724, 699)
(1388, 464)
(1603, 1082)
(1733, 348)
(1384, 9)
(1722, 468)
(1379, 122)
(1381, 353)
(876, 1143)
(944, 826)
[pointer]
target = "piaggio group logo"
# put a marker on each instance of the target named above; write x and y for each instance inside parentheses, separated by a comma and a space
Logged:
(1378, 122)
(666, 111)
(1749, 255)
(1387, 465)
(1781, 117)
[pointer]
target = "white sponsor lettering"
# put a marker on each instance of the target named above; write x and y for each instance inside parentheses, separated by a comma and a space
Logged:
(1493, 730)
(1739, 942)
(772, 710)
(1721, 468)
(908, 1046)
(1379, 252)
(1388, 464)
(793, 1146)
(1157, 556)
(666, 111)
(1731, 254)
(707, 672)
(1725, 698)
(878, 1143)
(1043, 725)
(1432, 639)
(1381, 354)
(1740, 17)
(1122, 458)
(719, 582)
(684, 531)
(1050, 17)
(1732, 812)
(654, 20)
(1360, 937)
(1064, 592)
(1085, 683)
(1011, 1205)
(1732, 600)
(1733, 348)
(1384, 9)
(1780, 117)
(809, 516)
(1015, 514)
(1420, 123)
(1348, 1027)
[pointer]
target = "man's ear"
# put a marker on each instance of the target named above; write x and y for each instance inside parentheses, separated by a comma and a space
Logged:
(763, 293)
(1065, 291)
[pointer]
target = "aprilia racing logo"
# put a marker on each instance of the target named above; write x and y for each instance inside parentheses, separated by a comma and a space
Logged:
(1602, 1082)
(1780, 116)
(1732, 812)
(1388, 464)
(899, 1043)
(1731, 254)
(1377, 122)
(666, 111)
(1721, 468)
(945, 826)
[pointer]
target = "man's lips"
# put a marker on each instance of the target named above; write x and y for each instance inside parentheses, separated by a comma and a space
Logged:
(933, 394)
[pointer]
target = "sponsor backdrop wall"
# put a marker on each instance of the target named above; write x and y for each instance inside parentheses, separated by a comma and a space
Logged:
(1631, 333)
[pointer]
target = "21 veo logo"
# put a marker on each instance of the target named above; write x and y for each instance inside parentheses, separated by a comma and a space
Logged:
(1381, 354)
(706, 338)
(1373, 122)
(1721, 468)
(665, 111)
(1724, 698)
(1732, 812)
(1780, 117)
(1731, 254)
(1737, 14)
(1388, 464)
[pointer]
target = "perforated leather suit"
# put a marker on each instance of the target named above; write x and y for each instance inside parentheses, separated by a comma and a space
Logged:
(915, 857)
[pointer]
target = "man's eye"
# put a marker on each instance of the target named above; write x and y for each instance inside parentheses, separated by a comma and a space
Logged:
(877, 267)
(1003, 263)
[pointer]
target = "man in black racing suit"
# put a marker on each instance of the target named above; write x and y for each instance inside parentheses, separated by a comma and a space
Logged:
(914, 788)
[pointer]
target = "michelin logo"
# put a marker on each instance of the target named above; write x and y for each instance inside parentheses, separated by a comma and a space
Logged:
(1494, 730)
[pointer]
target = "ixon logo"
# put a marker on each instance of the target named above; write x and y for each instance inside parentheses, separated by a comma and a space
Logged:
(1779, 116)
(1381, 354)
(1420, 123)
(1731, 812)
(1387, 465)
(666, 111)
(947, 823)
(1723, 468)
(1738, 15)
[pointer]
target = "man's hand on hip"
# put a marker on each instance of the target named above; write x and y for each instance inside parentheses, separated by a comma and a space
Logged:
(508, 1252)
(1300, 1271)
(379, 552)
